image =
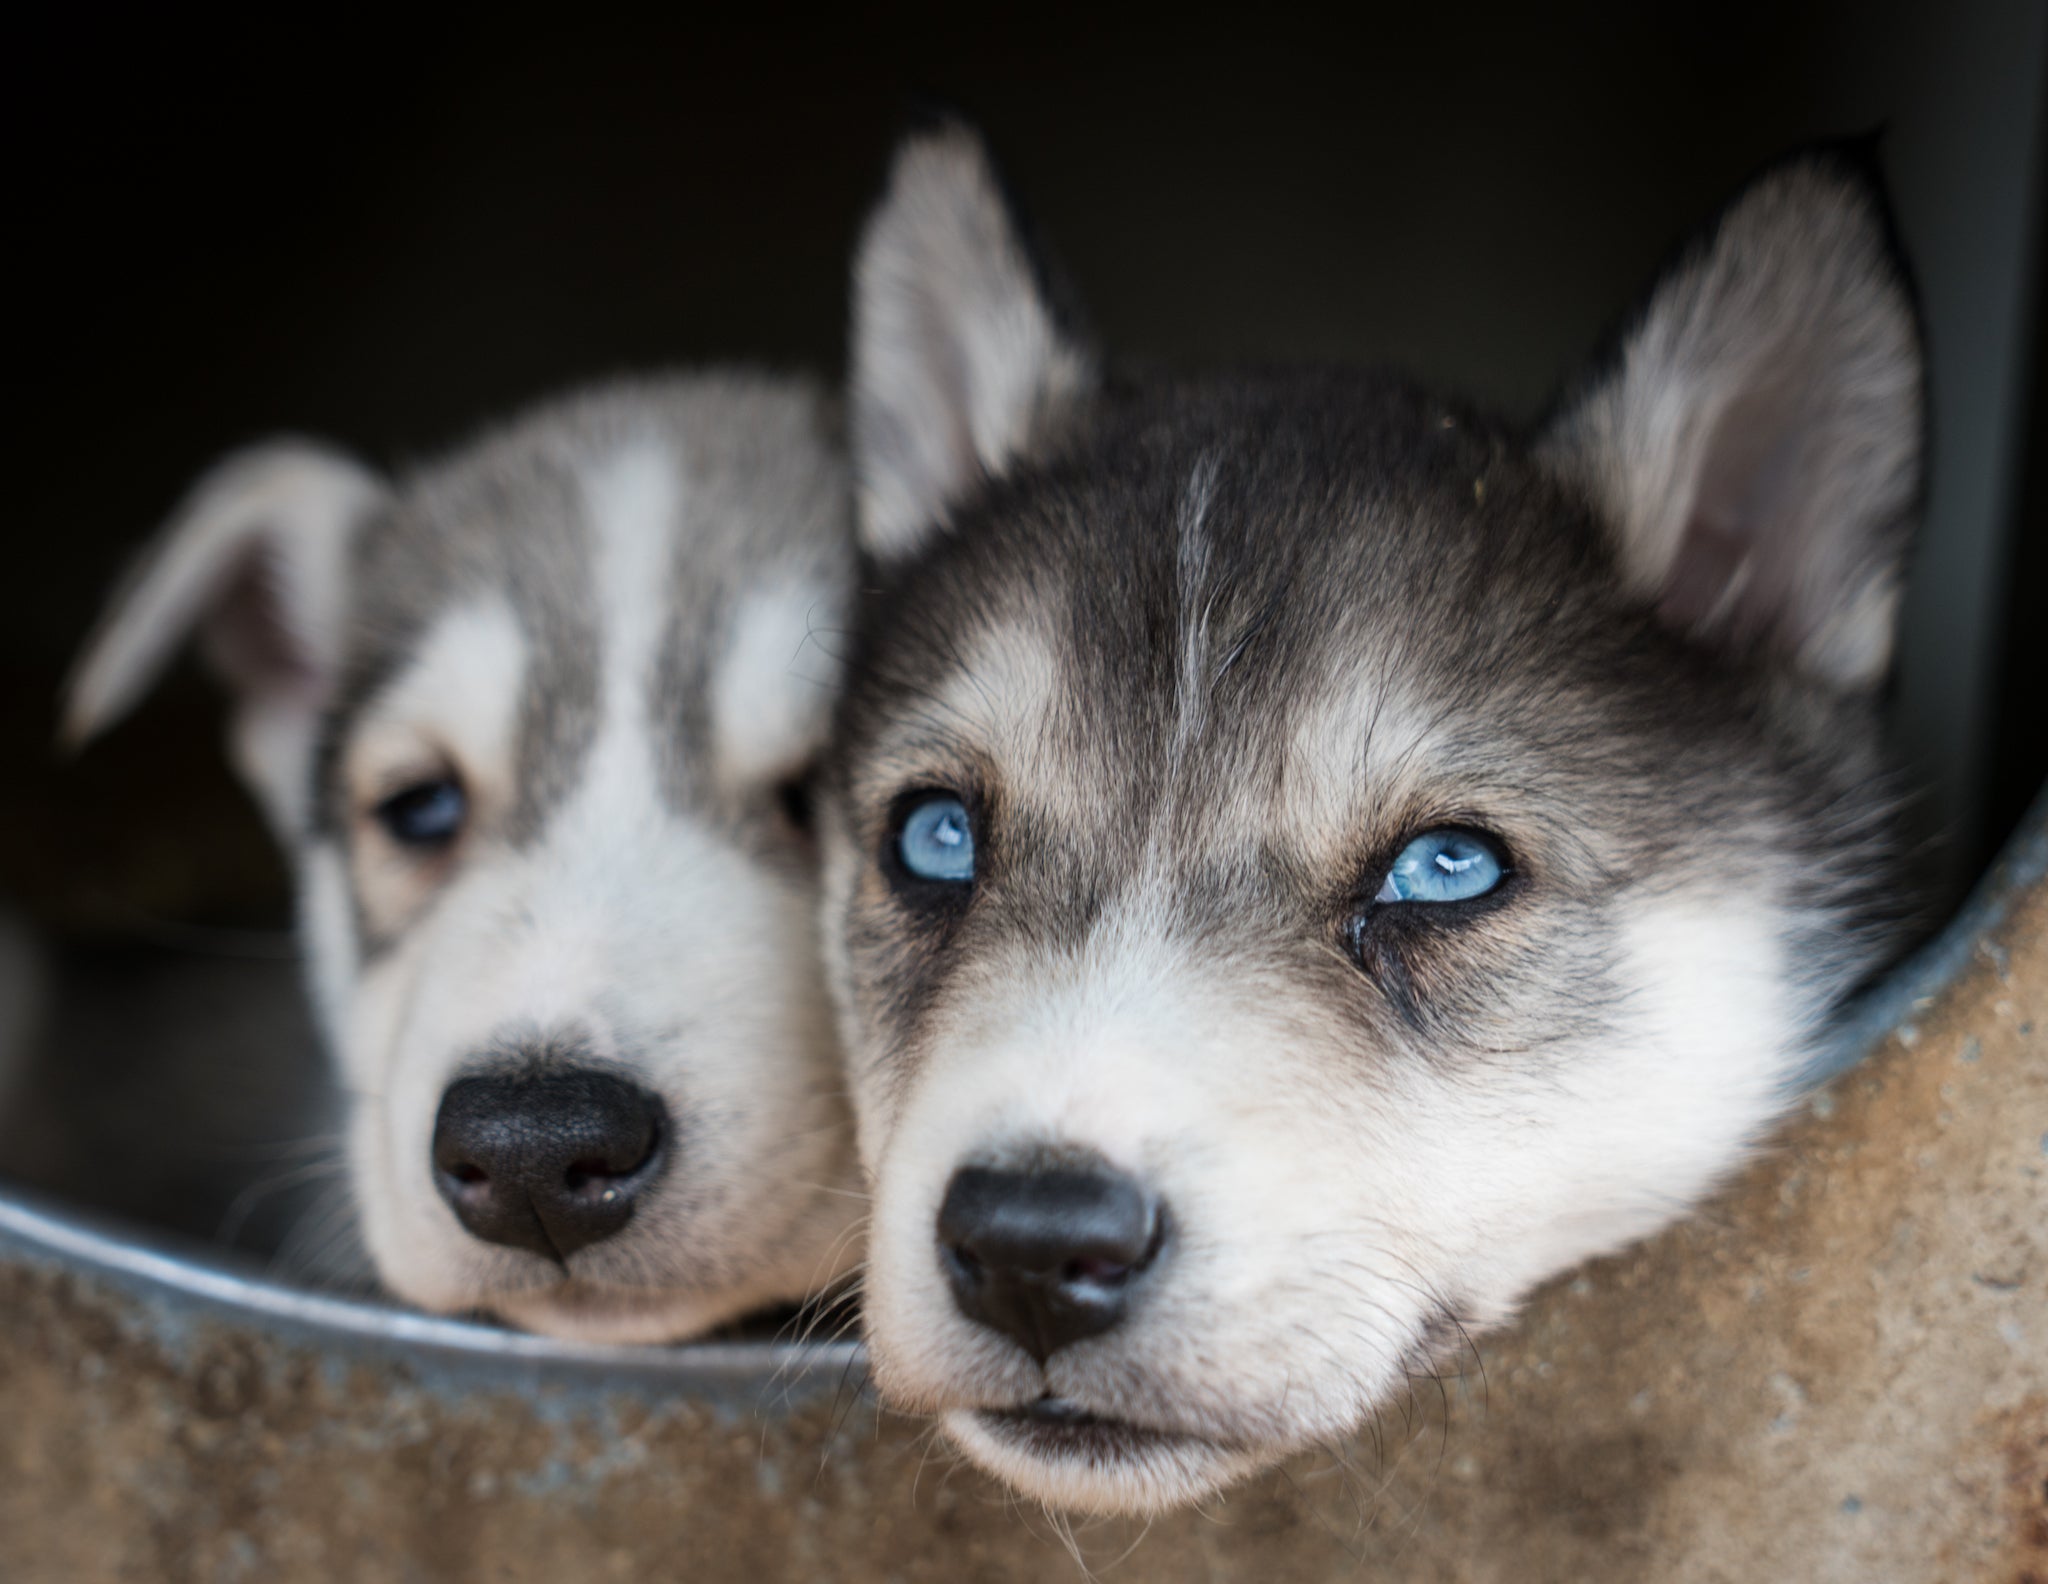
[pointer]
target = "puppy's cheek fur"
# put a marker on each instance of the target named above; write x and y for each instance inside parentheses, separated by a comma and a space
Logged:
(333, 955)
(411, 1236)
(421, 1262)
(855, 915)
(1663, 1111)
(418, 1248)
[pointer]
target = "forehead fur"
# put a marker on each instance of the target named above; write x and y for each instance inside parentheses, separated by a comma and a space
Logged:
(1333, 605)
(744, 473)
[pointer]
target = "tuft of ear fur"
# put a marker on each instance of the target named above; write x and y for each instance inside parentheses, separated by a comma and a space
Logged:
(1756, 447)
(959, 359)
(254, 562)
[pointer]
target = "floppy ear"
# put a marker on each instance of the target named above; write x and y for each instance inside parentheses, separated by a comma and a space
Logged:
(254, 563)
(959, 359)
(1757, 446)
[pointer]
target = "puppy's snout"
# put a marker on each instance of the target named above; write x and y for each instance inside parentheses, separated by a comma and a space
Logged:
(1047, 1256)
(551, 1161)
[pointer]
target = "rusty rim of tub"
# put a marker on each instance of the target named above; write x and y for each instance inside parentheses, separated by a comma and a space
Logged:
(178, 1290)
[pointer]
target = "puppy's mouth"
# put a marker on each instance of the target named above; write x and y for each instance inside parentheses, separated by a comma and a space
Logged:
(576, 1293)
(577, 1310)
(1073, 1458)
(1058, 1428)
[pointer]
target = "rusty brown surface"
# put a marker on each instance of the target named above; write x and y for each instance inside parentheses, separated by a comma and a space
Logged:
(1838, 1372)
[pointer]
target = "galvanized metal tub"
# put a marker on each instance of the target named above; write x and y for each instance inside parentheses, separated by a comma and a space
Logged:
(1839, 1370)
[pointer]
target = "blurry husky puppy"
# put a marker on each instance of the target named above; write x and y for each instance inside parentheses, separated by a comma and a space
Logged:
(534, 724)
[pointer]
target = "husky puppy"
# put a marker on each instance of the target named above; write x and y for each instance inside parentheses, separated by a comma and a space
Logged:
(533, 725)
(1306, 861)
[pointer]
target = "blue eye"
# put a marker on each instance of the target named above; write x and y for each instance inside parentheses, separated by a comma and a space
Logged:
(428, 814)
(937, 840)
(1442, 866)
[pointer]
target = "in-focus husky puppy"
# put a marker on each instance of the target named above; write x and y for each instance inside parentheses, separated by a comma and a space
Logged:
(1306, 861)
(532, 723)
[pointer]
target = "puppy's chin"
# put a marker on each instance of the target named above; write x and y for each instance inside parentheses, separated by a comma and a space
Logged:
(1100, 1467)
(577, 1311)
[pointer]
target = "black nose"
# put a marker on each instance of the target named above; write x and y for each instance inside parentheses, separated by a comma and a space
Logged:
(550, 1161)
(1047, 1256)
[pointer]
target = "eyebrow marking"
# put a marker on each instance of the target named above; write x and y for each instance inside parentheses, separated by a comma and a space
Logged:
(633, 500)
(1197, 601)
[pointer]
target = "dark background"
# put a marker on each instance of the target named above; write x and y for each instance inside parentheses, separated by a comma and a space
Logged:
(386, 229)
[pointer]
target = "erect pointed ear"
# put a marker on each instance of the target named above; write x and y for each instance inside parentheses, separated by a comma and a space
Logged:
(254, 563)
(960, 361)
(1757, 446)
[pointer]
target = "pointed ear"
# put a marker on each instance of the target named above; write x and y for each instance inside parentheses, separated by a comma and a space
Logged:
(1756, 447)
(254, 564)
(960, 361)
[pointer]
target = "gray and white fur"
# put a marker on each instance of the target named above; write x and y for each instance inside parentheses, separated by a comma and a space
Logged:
(527, 720)
(1200, 656)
